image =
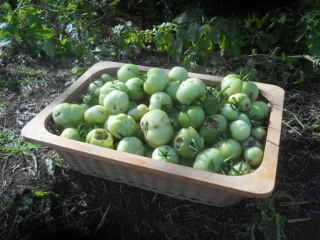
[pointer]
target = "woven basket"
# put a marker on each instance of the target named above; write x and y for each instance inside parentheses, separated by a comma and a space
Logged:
(174, 180)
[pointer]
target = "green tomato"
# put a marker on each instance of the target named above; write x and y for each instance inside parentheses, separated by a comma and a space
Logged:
(93, 86)
(100, 137)
(135, 89)
(241, 101)
(156, 127)
(190, 89)
(259, 133)
(121, 125)
(96, 114)
(250, 142)
(87, 99)
(230, 148)
(71, 133)
(108, 87)
(90, 100)
(139, 133)
(251, 90)
(157, 81)
(212, 127)
(178, 74)
(253, 156)
(160, 100)
(193, 116)
(68, 115)
(106, 77)
(116, 102)
(188, 143)
(148, 150)
(172, 89)
(127, 71)
(132, 105)
(244, 117)
(229, 111)
(209, 159)
(258, 110)
(85, 106)
(231, 84)
(131, 145)
(138, 112)
(166, 153)
(240, 168)
(240, 130)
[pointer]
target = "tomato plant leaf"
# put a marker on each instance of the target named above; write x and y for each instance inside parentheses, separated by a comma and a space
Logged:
(235, 50)
(314, 46)
(263, 43)
(301, 31)
(160, 42)
(192, 55)
(182, 34)
(50, 48)
(214, 34)
(37, 20)
(175, 47)
(192, 31)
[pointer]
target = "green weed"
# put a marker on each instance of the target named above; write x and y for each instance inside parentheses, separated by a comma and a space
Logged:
(267, 220)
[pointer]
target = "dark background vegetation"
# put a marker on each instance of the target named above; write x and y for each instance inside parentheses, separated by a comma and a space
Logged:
(46, 45)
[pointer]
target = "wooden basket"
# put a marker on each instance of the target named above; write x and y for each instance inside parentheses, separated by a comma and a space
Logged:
(174, 180)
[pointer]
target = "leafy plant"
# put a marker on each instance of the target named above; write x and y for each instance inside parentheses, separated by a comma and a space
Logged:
(18, 147)
(264, 42)
(52, 27)
(11, 145)
(21, 203)
(282, 42)
(267, 220)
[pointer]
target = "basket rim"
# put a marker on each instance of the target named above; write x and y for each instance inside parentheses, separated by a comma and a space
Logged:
(258, 184)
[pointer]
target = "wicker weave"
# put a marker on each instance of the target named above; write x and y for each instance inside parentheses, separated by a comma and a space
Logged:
(146, 181)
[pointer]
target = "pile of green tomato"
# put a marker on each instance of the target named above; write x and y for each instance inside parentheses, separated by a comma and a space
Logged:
(171, 117)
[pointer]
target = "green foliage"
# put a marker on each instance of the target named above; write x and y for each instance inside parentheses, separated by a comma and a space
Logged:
(267, 220)
(51, 27)
(283, 42)
(11, 145)
(21, 203)
(17, 147)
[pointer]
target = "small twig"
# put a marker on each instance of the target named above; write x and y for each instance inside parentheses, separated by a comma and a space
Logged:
(293, 203)
(291, 128)
(298, 220)
(154, 197)
(103, 217)
(295, 117)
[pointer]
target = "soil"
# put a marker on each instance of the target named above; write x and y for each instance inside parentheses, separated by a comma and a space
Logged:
(37, 203)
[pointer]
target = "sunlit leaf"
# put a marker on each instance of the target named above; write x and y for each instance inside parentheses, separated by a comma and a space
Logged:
(5, 41)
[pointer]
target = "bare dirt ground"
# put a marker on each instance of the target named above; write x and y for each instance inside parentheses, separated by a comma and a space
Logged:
(67, 203)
